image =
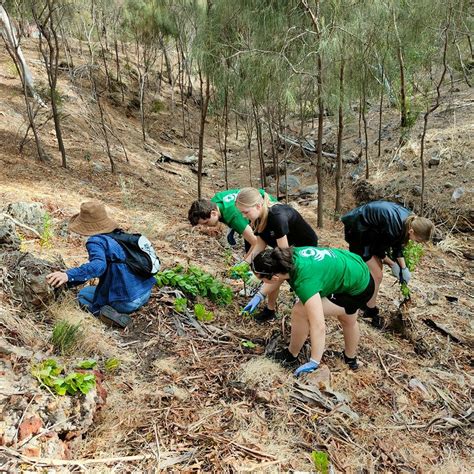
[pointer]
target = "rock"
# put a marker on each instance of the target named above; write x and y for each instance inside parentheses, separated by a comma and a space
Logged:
(357, 172)
(448, 185)
(434, 161)
(97, 167)
(416, 386)
(457, 194)
(29, 427)
(416, 190)
(9, 239)
(308, 190)
(190, 159)
(320, 378)
(30, 213)
(291, 181)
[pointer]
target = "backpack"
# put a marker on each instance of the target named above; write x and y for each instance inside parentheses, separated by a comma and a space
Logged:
(140, 254)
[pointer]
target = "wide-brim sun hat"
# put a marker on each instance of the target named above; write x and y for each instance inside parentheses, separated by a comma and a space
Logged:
(92, 219)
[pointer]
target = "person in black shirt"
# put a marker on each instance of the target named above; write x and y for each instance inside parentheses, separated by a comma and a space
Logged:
(378, 231)
(276, 225)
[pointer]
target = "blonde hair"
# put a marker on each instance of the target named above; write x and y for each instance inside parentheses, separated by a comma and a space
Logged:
(422, 227)
(250, 197)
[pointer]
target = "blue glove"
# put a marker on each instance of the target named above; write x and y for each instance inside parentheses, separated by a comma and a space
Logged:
(405, 275)
(230, 237)
(310, 366)
(396, 270)
(254, 302)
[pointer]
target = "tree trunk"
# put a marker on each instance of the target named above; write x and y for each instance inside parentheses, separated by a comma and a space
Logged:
(340, 129)
(379, 141)
(204, 107)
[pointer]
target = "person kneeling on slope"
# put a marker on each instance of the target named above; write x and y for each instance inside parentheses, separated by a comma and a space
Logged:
(120, 290)
(328, 282)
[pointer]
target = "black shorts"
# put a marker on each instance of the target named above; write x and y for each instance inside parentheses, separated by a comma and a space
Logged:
(351, 303)
(365, 251)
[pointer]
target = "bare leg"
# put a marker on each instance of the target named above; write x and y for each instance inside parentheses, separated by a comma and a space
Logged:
(299, 328)
(272, 297)
(376, 270)
(350, 326)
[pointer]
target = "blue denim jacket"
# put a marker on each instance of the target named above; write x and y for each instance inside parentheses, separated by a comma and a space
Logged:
(116, 281)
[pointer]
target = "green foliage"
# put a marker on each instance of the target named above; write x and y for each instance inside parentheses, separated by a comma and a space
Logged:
(242, 271)
(112, 364)
(65, 336)
(248, 344)
(180, 304)
(194, 282)
(202, 314)
(87, 364)
(321, 461)
(412, 254)
(244, 313)
(48, 373)
(47, 232)
(156, 106)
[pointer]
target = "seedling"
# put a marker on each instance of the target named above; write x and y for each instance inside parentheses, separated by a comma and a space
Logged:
(65, 336)
(87, 364)
(112, 364)
(248, 344)
(320, 461)
(202, 314)
(412, 254)
(180, 304)
(245, 314)
(47, 232)
(48, 374)
(193, 281)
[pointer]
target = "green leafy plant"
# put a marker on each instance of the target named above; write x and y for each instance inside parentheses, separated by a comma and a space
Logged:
(47, 232)
(412, 254)
(320, 461)
(202, 314)
(195, 282)
(48, 374)
(87, 364)
(248, 344)
(65, 336)
(180, 304)
(112, 364)
(242, 271)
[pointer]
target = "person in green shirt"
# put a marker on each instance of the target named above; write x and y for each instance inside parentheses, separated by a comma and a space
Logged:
(328, 282)
(221, 208)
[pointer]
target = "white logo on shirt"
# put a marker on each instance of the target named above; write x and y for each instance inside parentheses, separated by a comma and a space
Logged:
(230, 197)
(316, 254)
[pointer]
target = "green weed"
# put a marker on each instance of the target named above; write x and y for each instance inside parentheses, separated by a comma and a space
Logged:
(48, 373)
(202, 314)
(248, 344)
(47, 232)
(320, 461)
(112, 364)
(65, 336)
(412, 254)
(194, 282)
(180, 304)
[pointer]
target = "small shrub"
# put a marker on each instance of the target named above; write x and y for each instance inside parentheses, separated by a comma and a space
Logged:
(48, 374)
(248, 344)
(65, 336)
(412, 254)
(320, 461)
(112, 364)
(202, 314)
(180, 304)
(47, 232)
(156, 106)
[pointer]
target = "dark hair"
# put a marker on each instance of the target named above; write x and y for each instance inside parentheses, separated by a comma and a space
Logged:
(273, 261)
(200, 209)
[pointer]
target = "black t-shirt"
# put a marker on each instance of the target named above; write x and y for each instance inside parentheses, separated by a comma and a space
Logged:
(284, 220)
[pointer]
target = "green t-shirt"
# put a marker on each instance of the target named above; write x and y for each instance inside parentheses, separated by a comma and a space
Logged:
(327, 271)
(230, 215)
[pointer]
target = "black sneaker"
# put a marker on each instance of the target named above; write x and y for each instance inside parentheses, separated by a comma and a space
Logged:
(285, 357)
(265, 315)
(370, 313)
(351, 362)
(111, 317)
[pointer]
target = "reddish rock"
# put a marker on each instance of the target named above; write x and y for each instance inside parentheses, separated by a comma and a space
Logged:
(32, 452)
(29, 427)
(320, 378)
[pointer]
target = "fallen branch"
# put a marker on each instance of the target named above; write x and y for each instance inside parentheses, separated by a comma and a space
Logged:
(20, 224)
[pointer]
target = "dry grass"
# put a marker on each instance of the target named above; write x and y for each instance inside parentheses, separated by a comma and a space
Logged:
(262, 373)
(97, 339)
(452, 245)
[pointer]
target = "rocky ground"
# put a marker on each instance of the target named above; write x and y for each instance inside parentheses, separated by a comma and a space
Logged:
(189, 395)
